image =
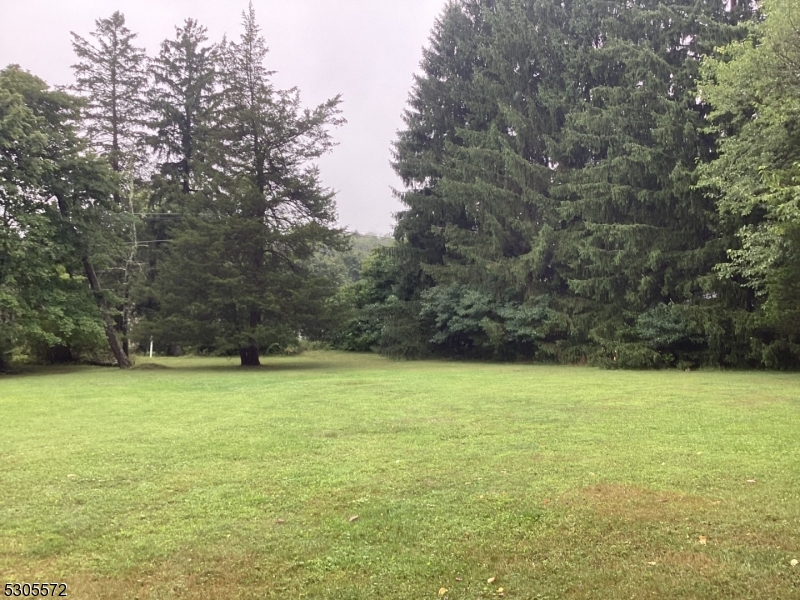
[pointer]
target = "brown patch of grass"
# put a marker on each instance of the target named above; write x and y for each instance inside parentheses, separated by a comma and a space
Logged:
(184, 577)
(782, 540)
(634, 503)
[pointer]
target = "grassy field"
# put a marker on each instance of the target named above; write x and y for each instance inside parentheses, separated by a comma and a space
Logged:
(192, 478)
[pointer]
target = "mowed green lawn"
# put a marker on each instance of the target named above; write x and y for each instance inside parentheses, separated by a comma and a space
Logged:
(193, 478)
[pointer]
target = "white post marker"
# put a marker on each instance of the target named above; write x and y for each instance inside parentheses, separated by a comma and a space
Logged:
(151, 346)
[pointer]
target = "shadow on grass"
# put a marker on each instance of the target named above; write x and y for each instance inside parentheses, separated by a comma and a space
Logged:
(235, 366)
(26, 371)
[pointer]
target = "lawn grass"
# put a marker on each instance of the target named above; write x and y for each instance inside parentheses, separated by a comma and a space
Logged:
(192, 478)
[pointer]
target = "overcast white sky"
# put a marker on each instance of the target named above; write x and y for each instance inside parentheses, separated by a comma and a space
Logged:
(367, 50)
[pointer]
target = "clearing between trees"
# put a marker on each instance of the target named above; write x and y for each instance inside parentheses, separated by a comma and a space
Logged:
(334, 475)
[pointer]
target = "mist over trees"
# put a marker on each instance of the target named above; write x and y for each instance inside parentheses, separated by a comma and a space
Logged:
(588, 181)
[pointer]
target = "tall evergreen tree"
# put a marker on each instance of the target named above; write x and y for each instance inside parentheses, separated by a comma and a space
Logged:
(501, 175)
(184, 103)
(640, 235)
(235, 275)
(111, 76)
(438, 108)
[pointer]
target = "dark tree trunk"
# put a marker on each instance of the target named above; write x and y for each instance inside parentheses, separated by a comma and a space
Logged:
(249, 356)
(122, 329)
(102, 303)
(111, 335)
(174, 350)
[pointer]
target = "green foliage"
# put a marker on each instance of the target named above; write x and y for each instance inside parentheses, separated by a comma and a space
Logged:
(585, 181)
(111, 75)
(472, 323)
(550, 158)
(665, 327)
(44, 173)
(753, 88)
(237, 275)
(370, 302)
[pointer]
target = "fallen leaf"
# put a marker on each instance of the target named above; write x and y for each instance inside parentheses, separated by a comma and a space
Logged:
(459, 579)
(500, 590)
(546, 502)
(280, 521)
(353, 518)
(703, 539)
(442, 591)
(71, 475)
(652, 564)
(751, 481)
(491, 580)
(794, 562)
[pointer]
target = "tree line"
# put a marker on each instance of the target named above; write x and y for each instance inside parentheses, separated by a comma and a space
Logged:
(598, 181)
(172, 196)
(584, 181)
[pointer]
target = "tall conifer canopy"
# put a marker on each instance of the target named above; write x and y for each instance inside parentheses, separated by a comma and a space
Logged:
(236, 278)
(111, 75)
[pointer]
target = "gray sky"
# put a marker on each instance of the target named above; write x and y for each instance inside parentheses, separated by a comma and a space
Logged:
(367, 50)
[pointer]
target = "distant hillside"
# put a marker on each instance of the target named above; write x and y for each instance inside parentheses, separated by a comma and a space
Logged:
(346, 266)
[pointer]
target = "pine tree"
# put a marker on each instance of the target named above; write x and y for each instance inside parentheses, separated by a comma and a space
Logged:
(184, 107)
(639, 235)
(111, 76)
(184, 103)
(501, 175)
(438, 109)
(487, 173)
(236, 273)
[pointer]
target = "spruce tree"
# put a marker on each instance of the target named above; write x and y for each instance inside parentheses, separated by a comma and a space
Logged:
(501, 175)
(438, 109)
(184, 104)
(236, 276)
(111, 76)
(639, 233)
(486, 173)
